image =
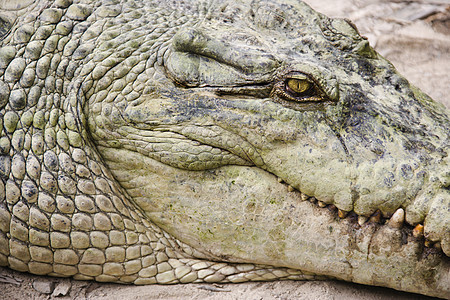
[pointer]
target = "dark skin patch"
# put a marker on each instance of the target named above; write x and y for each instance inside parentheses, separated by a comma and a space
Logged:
(5, 27)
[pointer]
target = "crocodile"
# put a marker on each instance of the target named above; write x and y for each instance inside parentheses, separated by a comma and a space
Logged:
(158, 141)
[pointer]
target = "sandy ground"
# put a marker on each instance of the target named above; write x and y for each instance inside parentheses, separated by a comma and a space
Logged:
(415, 36)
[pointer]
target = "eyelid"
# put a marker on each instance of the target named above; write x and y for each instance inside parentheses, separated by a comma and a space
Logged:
(299, 77)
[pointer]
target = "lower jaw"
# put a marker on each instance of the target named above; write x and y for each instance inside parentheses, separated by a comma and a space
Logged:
(244, 215)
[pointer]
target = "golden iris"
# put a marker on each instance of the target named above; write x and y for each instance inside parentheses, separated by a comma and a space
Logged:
(298, 86)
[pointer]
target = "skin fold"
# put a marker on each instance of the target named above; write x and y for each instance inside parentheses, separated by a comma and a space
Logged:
(208, 141)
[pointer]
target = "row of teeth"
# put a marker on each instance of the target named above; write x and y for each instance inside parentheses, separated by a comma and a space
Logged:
(396, 221)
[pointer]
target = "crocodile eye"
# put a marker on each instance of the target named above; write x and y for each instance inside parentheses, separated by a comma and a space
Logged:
(297, 86)
(300, 88)
(300, 91)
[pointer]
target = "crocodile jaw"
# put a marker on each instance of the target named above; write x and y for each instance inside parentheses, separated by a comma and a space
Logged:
(244, 215)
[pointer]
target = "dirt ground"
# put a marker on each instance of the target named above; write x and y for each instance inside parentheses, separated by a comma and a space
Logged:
(415, 36)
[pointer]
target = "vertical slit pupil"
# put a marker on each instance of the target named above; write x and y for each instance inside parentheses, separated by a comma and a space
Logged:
(297, 85)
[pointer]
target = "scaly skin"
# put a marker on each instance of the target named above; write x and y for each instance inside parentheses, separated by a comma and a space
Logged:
(157, 142)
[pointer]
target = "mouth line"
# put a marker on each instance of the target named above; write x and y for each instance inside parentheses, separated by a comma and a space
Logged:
(396, 221)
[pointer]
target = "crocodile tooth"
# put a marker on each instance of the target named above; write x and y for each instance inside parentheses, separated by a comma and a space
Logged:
(304, 197)
(397, 219)
(376, 217)
(362, 220)
(321, 204)
(290, 188)
(342, 213)
(280, 180)
(312, 200)
(418, 231)
(428, 243)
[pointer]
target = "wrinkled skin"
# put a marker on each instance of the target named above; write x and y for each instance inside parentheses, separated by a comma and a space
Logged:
(190, 111)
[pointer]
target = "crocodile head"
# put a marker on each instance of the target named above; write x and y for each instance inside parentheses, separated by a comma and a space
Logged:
(248, 109)
(219, 121)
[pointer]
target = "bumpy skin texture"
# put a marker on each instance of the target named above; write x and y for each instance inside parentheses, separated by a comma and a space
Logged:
(161, 142)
